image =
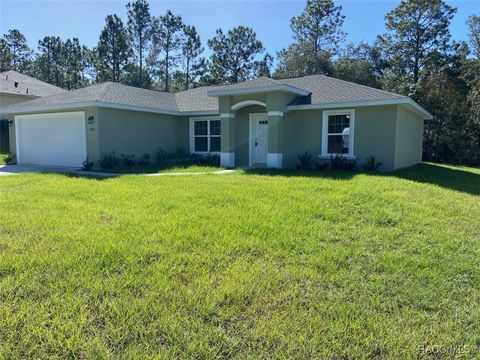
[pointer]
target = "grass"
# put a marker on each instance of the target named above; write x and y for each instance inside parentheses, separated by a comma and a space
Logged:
(258, 264)
(163, 168)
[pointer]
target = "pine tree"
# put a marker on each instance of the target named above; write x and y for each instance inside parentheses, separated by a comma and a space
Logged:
(233, 57)
(140, 34)
(18, 51)
(113, 49)
(191, 50)
(166, 39)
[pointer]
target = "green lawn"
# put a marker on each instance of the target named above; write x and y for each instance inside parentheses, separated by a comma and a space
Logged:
(253, 264)
(163, 168)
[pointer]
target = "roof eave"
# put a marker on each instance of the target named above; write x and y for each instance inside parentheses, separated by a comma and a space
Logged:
(412, 105)
(102, 104)
(259, 89)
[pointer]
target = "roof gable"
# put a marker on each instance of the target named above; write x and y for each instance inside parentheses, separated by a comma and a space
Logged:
(15, 83)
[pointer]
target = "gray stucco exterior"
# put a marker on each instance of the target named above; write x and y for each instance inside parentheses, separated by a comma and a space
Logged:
(278, 117)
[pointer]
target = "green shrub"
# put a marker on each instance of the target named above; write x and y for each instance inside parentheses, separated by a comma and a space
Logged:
(371, 165)
(144, 160)
(338, 162)
(128, 160)
(9, 159)
(306, 162)
(87, 165)
(109, 161)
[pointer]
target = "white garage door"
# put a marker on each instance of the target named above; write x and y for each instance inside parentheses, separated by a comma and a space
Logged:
(51, 139)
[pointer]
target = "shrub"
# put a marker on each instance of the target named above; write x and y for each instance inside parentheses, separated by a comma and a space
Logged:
(306, 162)
(109, 161)
(128, 160)
(371, 165)
(205, 160)
(162, 155)
(87, 165)
(9, 159)
(338, 162)
(144, 160)
(321, 167)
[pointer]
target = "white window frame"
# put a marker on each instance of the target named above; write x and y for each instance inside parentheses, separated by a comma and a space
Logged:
(208, 136)
(351, 136)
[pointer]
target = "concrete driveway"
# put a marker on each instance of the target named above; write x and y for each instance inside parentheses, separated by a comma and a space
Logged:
(6, 170)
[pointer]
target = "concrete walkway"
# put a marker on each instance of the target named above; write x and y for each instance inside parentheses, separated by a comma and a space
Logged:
(6, 170)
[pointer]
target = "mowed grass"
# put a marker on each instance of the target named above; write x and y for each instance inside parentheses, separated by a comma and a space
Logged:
(245, 265)
(164, 168)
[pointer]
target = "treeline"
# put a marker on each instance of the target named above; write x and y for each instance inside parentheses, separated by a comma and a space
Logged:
(415, 57)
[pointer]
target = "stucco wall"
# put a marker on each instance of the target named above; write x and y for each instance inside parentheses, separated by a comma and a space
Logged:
(242, 129)
(408, 139)
(133, 132)
(374, 135)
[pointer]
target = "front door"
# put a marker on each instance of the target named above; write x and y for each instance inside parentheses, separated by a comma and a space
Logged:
(259, 138)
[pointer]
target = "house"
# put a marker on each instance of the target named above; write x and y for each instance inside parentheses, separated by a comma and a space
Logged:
(260, 122)
(14, 88)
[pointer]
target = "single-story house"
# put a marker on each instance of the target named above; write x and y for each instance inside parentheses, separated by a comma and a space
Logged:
(259, 122)
(14, 88)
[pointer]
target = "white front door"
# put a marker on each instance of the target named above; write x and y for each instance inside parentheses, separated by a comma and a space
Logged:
(258, 138)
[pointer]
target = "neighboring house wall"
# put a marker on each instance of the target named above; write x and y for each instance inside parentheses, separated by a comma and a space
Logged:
(5, 100)
(134, 132)
(408, 139)
(9, 99)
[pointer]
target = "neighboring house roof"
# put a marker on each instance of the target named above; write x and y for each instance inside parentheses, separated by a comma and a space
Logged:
(315, 91)
(15, 83)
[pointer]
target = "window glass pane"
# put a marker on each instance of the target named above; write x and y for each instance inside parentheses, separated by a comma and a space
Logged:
(337, 123)
(215, 144)
(201, 143)
(336, 145)
(201, 127)
(215, 127)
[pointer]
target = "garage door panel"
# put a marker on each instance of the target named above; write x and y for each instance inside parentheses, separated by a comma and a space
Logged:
(52, 139)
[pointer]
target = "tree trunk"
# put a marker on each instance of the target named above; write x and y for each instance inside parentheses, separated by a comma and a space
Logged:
(167, 88)
(187, 74)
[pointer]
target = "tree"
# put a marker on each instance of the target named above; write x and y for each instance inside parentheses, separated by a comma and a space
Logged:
(166, 38)
(74, 64)
(417, 34)
(191, 50)
(113, 48)
(317, 32)
(5, 56)
(474, 33)
(359, 64)
(140, 34)
(48, 65)
(18, 50)
(233, 54)
(262, 67)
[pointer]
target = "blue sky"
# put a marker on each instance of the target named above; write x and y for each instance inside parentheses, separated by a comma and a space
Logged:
(270, 19)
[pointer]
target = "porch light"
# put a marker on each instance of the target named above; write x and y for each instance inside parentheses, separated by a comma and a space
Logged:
(91, 120)
(345, 137)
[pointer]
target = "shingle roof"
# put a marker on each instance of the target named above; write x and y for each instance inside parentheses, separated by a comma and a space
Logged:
(12, 82)
(327, 90)
(109, 92)
(323, 89)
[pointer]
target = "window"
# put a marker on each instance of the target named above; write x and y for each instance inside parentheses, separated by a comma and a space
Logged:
(337, 138)
(206, 136)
